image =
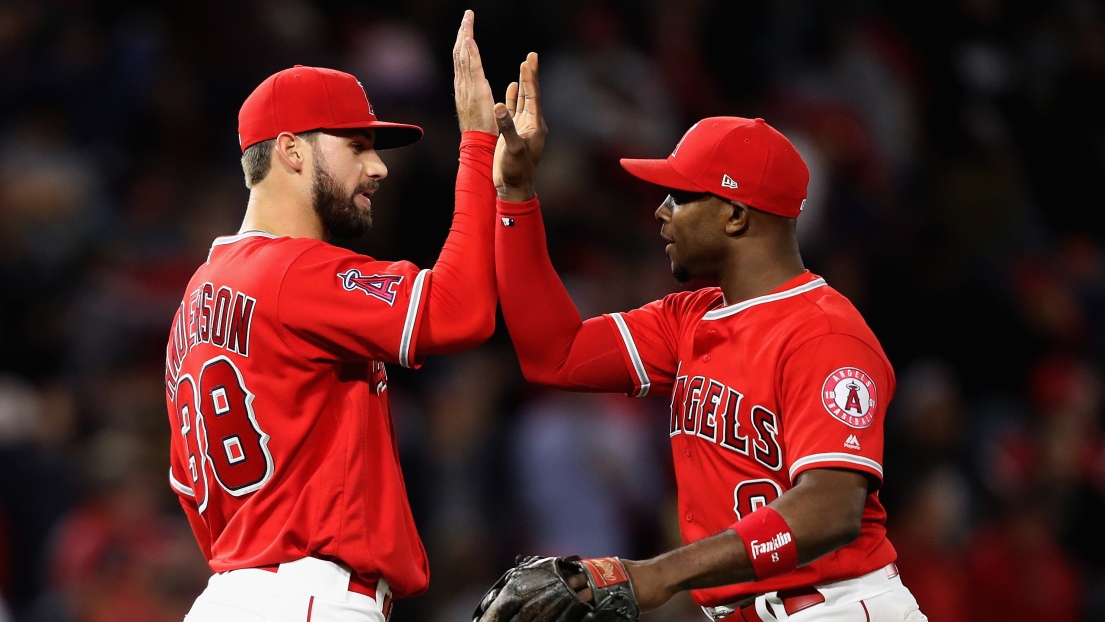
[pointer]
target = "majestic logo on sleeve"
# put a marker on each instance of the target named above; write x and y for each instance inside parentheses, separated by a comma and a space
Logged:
(380, 286)
(850, 396)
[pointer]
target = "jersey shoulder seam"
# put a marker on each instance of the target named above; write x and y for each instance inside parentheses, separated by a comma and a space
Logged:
(831, 331)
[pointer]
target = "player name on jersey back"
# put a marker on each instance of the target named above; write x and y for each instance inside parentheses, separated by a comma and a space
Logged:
(221, 317)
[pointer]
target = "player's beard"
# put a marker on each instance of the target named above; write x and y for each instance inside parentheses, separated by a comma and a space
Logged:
(680, 273)
(340, 215)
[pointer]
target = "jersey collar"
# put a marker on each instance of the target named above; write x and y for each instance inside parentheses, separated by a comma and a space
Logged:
(798, 285)
(230, 239)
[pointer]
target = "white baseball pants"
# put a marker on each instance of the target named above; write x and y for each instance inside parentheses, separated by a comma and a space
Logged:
(306, 590)
(877, 596)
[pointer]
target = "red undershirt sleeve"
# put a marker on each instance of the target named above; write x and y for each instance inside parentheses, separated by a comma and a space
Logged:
(460, 308)
(555, 347)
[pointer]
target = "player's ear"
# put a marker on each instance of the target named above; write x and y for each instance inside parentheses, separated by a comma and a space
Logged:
(291, 151)
(737, 215)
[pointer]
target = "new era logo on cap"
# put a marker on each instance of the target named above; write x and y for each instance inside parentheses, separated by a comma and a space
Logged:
(728, 182)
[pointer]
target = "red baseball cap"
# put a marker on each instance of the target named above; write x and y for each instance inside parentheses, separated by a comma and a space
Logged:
(739, 159)
(301, 99)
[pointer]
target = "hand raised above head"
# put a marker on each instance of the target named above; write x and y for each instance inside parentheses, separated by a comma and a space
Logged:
(470, 88)
(522, 132)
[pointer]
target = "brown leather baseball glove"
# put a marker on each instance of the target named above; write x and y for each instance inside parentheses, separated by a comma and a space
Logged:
(537, 590)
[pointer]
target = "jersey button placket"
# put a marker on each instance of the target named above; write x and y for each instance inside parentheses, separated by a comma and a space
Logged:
(705, 358)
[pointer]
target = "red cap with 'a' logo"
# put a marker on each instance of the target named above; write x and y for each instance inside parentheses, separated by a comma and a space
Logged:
(735, 158)
(301, 99)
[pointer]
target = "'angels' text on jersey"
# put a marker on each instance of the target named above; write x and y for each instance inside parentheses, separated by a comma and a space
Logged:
(711, 410)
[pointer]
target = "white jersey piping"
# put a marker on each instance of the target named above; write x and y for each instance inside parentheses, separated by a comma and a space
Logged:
(634, 355)
(412, 314)
(835, 457)
(230, 239)
(177, 485)
(724, 312)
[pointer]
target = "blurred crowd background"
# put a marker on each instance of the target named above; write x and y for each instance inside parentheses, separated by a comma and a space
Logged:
(957, 151)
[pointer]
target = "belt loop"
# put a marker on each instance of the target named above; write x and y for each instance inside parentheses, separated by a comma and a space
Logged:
(891, 570)
(765, 610)
(383, 597)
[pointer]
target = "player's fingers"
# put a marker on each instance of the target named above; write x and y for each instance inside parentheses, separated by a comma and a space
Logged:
(457, 44)
(514, 142)
(476, 64)
(466, 29)
(468, 23)
(577, 581)
(456, 59)
(533, 89)
(511, 99)
(466, 57)
(520, 106)
(529, 86)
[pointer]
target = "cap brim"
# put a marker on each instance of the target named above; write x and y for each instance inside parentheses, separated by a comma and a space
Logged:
(661, 173)
(388, 135)
(392, 135)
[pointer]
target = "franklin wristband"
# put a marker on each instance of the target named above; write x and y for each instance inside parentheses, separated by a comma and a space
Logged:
(769, 543)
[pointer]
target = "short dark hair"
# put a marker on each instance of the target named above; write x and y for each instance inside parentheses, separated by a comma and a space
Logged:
(257, 159)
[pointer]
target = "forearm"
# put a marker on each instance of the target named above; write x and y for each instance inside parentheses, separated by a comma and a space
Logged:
(823, 512)
(555, 347)
(717, 560)
(460, 310)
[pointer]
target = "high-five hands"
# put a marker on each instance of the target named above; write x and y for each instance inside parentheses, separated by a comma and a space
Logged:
(470, 88)
(522, 132)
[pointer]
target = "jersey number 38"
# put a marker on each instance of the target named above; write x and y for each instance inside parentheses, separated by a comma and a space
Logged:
(221, 434)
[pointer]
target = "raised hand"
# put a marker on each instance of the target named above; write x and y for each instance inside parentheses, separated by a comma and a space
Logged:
(470, 88)
(522, 132)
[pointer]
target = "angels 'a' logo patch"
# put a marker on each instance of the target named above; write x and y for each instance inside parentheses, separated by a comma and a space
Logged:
(850, 396)
(380, 286)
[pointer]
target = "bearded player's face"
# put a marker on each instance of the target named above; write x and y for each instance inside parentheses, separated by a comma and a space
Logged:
(693, 226)
(347, 171)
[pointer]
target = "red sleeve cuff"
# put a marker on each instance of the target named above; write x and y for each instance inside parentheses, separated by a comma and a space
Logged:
(510, 208)
(478, 139)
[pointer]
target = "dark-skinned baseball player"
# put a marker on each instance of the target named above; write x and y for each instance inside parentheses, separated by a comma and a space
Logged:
(778, 390)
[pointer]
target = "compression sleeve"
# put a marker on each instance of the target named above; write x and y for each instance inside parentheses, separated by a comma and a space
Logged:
(555, 348)
(460, 308)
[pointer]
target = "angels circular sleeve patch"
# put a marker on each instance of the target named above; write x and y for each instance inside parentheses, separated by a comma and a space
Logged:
(850, 396)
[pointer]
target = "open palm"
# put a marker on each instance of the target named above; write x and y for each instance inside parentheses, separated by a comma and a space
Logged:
(521, 133)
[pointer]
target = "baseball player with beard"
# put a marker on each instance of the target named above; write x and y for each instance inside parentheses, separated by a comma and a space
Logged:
(283, 449)
(778, 390)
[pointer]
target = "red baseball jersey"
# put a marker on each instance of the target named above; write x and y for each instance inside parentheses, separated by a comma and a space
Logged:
(763, 390)
(283, 445)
